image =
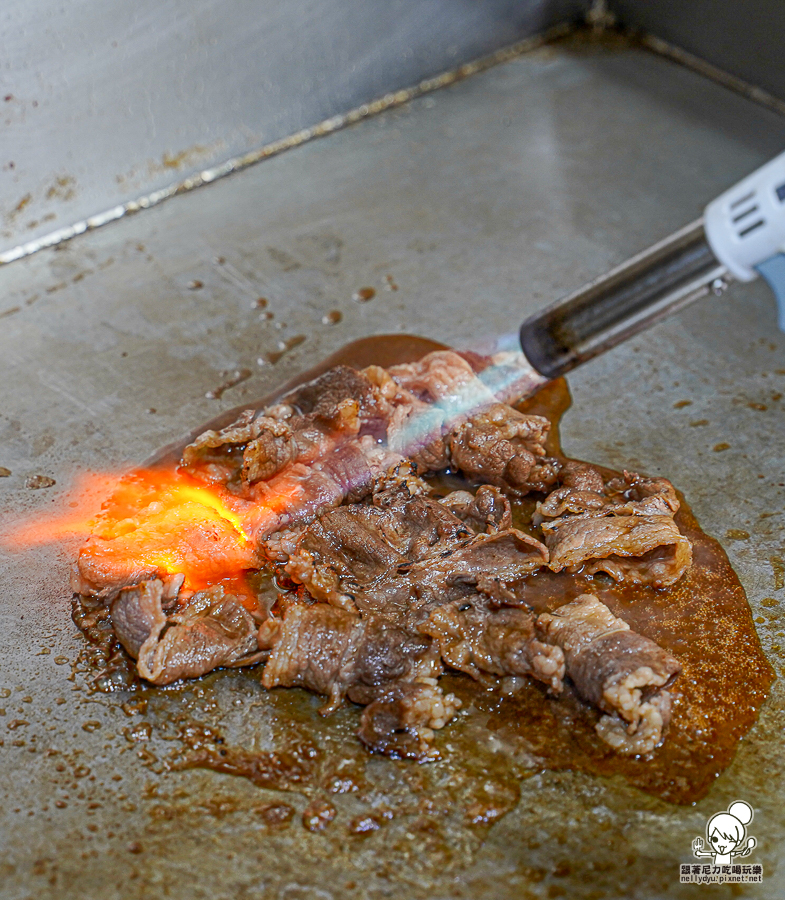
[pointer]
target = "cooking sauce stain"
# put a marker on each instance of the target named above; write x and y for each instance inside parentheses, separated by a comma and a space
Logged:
(499, 738)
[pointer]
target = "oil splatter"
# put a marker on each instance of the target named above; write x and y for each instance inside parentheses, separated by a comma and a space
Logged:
(364, 294)
(698, 423)
(271, 358)
(233, 378)
(260, 303)
(718, 448)
(760, 406)
(680, 404)
(195, 285)
(737, 534)
(391, 285)
(778, 571)
(4, 472)
(332, 318)
(36, 482)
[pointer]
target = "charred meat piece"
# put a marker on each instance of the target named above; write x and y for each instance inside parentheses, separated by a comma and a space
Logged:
(329, 650)
(477, 640)
(399, 719)
(624, 528)
(208, 631)
(623, 673)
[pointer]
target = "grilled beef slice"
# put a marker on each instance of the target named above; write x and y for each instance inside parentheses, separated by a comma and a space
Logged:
(623, 673)
(209, 630)
(625, 528)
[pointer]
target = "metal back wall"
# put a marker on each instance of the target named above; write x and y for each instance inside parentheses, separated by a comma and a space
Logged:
(742, 37)
(104, 101)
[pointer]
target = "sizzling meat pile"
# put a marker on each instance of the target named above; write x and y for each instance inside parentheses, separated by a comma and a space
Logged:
(383, 580)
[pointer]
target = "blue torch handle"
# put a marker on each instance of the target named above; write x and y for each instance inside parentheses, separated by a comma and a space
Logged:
(773, 270)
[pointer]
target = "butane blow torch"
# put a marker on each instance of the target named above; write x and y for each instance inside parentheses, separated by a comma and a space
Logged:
(740, 236)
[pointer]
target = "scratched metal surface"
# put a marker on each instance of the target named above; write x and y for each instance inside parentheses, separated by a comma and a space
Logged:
(480, 203)
(103, 102)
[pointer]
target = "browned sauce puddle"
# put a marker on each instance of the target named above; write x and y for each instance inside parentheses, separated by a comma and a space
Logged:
(704, 620)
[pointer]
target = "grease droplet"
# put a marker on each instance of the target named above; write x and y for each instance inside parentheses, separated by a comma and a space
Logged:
(234, 378)
(36, 482)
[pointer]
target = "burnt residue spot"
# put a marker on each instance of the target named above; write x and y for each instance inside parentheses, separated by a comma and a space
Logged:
(233, 378)
(62, 188)
(4, 472)
(37, 482)
(364, 294)
(332, 318)
(285, 260)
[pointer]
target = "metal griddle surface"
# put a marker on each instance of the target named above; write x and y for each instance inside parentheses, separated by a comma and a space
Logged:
(481, 203)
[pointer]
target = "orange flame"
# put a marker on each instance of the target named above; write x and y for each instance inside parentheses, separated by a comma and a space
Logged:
(153, 522)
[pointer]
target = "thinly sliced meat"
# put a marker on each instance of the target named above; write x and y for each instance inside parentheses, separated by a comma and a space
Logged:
(353, 550)
(198, 538)
(212, 630)
(493, 564)
(399, 719)
(476, 640)
(406, 553)
(486, 511)
(442, 377)
(638, 549)
(625, 528)
(504, 447)
(328, 650)
(623, 673)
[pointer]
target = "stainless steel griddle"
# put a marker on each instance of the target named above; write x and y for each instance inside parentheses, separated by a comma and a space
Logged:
(465, 210)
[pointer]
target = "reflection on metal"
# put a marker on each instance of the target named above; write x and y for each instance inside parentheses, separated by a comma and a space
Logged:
(632, 297)
(750, 91)
(328, 126)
